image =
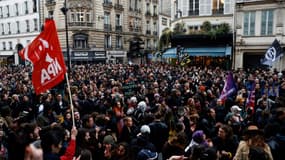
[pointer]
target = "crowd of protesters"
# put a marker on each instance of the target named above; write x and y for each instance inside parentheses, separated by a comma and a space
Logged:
(143, 112)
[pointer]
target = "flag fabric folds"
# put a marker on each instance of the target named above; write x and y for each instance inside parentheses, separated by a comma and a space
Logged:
(250, 101)
(272, 53)
(229, 87)
(45, 54)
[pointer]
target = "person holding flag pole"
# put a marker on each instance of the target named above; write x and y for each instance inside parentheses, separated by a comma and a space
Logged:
(45, 54)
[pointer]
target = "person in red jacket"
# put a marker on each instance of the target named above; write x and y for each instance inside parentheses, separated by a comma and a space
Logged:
(51, 143)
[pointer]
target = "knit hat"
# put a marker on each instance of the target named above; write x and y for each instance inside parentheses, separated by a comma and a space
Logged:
(198, 136)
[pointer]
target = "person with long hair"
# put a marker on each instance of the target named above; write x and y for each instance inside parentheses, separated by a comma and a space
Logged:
(225, 143)
(253, 143)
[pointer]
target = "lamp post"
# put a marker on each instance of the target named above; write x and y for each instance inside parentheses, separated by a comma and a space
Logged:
(64, 10)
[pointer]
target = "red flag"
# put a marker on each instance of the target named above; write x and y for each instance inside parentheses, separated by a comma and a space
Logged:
(45, 54)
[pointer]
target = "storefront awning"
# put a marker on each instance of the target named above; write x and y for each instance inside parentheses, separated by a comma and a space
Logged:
(207, 51)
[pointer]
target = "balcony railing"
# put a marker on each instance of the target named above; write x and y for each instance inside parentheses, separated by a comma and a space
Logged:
(194, 13)
(147, 32)
(147, 14)
(50, 3)
(119, 7)
(107, 27)
(218, 11)
(155, 1)
(86, 24)
(155, 16)
(108, 5)
(119, 28)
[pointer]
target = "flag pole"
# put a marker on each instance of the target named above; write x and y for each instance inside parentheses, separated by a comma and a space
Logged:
(70, 99)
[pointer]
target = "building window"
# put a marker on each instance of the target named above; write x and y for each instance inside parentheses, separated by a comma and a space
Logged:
(107, 41)
(80, 17)
(154, 10)
(147, 25)
(164, 21)
(184, 6)
(205, 8)
(193, 7)
(154, 26)
(26, 7)
(8, 11)
(50, 14)
(155, 44)
(267, 22)
(118, 42)
(88, 17)
(228, 6)
(18, 26)
(1, 12)
(36, 24)
(218, 4)
(73, 19)
(10, 45)
(35, 7)
(249, 23)
(80, 41)
(136, 23)
(118, 20)
(9, 28)
(106, 18)
(28, 25)
(3, 29)
(147, 7)
(107, 1)
(107, 24)
(16, 9)
(4, 45)
(148, 44)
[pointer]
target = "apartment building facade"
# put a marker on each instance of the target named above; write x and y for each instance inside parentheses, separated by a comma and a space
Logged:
(192, 14)
(103, 30)
(258, 24)
(19, 25)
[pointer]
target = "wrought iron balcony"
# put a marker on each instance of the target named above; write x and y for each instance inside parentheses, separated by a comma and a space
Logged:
(119, 7)
(155, 16)
(147, 14)
(119, 28)
(50, 3)
(194, 13)
(218, 11)
(137, 29)
(107, 5)
(107, 27)
(148, 32)
(86, 24)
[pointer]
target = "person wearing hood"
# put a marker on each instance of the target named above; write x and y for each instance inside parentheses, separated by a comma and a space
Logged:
(140, 113)
(141, 142)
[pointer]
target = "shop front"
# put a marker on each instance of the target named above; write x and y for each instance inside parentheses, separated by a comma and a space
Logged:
(200, 56)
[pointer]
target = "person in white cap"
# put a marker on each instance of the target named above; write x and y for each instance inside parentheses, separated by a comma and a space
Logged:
(234, 117)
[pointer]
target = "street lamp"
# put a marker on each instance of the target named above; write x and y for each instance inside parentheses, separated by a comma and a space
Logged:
(64, 10)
